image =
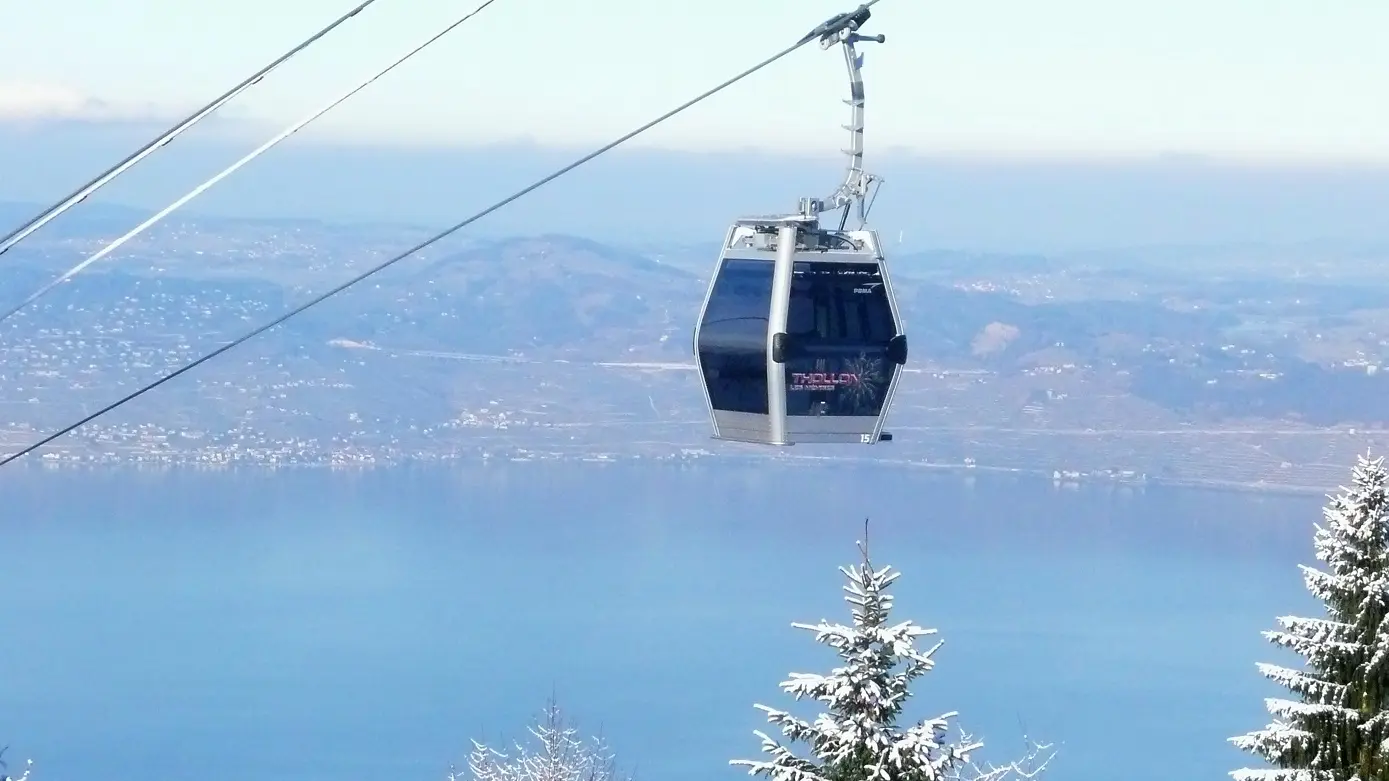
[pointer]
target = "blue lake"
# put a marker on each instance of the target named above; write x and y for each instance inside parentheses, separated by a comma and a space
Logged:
(316, 624)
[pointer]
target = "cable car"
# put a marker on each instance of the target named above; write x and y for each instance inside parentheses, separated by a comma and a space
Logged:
(799, 338)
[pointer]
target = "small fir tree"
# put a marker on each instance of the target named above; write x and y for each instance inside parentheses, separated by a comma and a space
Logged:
(858, 738)
(1338, 727)
(560, 754)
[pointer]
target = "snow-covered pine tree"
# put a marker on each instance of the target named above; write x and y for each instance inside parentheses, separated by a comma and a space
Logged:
(1338, 727)
(559, 755)
(858, 738)
(4, 767)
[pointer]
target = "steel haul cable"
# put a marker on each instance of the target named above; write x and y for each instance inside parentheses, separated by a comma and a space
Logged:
(818, 32)
(229, 170)
(80, 194)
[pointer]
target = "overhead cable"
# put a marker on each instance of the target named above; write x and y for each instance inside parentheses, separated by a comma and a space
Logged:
(80, 194)
(229, 170)
(819, 32)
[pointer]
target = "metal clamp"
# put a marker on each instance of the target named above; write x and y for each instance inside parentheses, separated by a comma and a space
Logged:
(831, 29)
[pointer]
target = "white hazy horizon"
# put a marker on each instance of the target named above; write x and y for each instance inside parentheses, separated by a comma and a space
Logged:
(663, 196)
(1239, 80)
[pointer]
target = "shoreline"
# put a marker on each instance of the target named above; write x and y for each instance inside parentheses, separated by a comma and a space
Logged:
(1071, 481)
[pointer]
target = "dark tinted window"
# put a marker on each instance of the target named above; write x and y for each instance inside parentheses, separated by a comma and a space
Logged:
(841, 322)
(844, 303)
(733, 336)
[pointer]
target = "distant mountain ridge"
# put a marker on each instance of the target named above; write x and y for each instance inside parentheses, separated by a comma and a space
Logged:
(549, 291)
(562, 296)
(658, 195)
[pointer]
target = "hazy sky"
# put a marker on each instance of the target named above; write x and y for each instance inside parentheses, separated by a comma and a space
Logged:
(1249, 77)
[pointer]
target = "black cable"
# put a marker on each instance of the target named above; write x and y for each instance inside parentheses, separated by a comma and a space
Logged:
(234, 167)
(81, 193)
(819, 32)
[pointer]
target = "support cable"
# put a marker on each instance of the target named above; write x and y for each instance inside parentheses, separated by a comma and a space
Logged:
(231, 169)
(829, 28)
(80, 194)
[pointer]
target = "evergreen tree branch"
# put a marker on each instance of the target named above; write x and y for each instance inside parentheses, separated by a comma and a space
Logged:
(1033, 763)
(28, 766)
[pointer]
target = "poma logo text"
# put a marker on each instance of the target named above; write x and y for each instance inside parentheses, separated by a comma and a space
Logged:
(822, 381)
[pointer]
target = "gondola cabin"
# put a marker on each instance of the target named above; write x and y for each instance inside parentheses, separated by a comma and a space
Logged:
(799, 338)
